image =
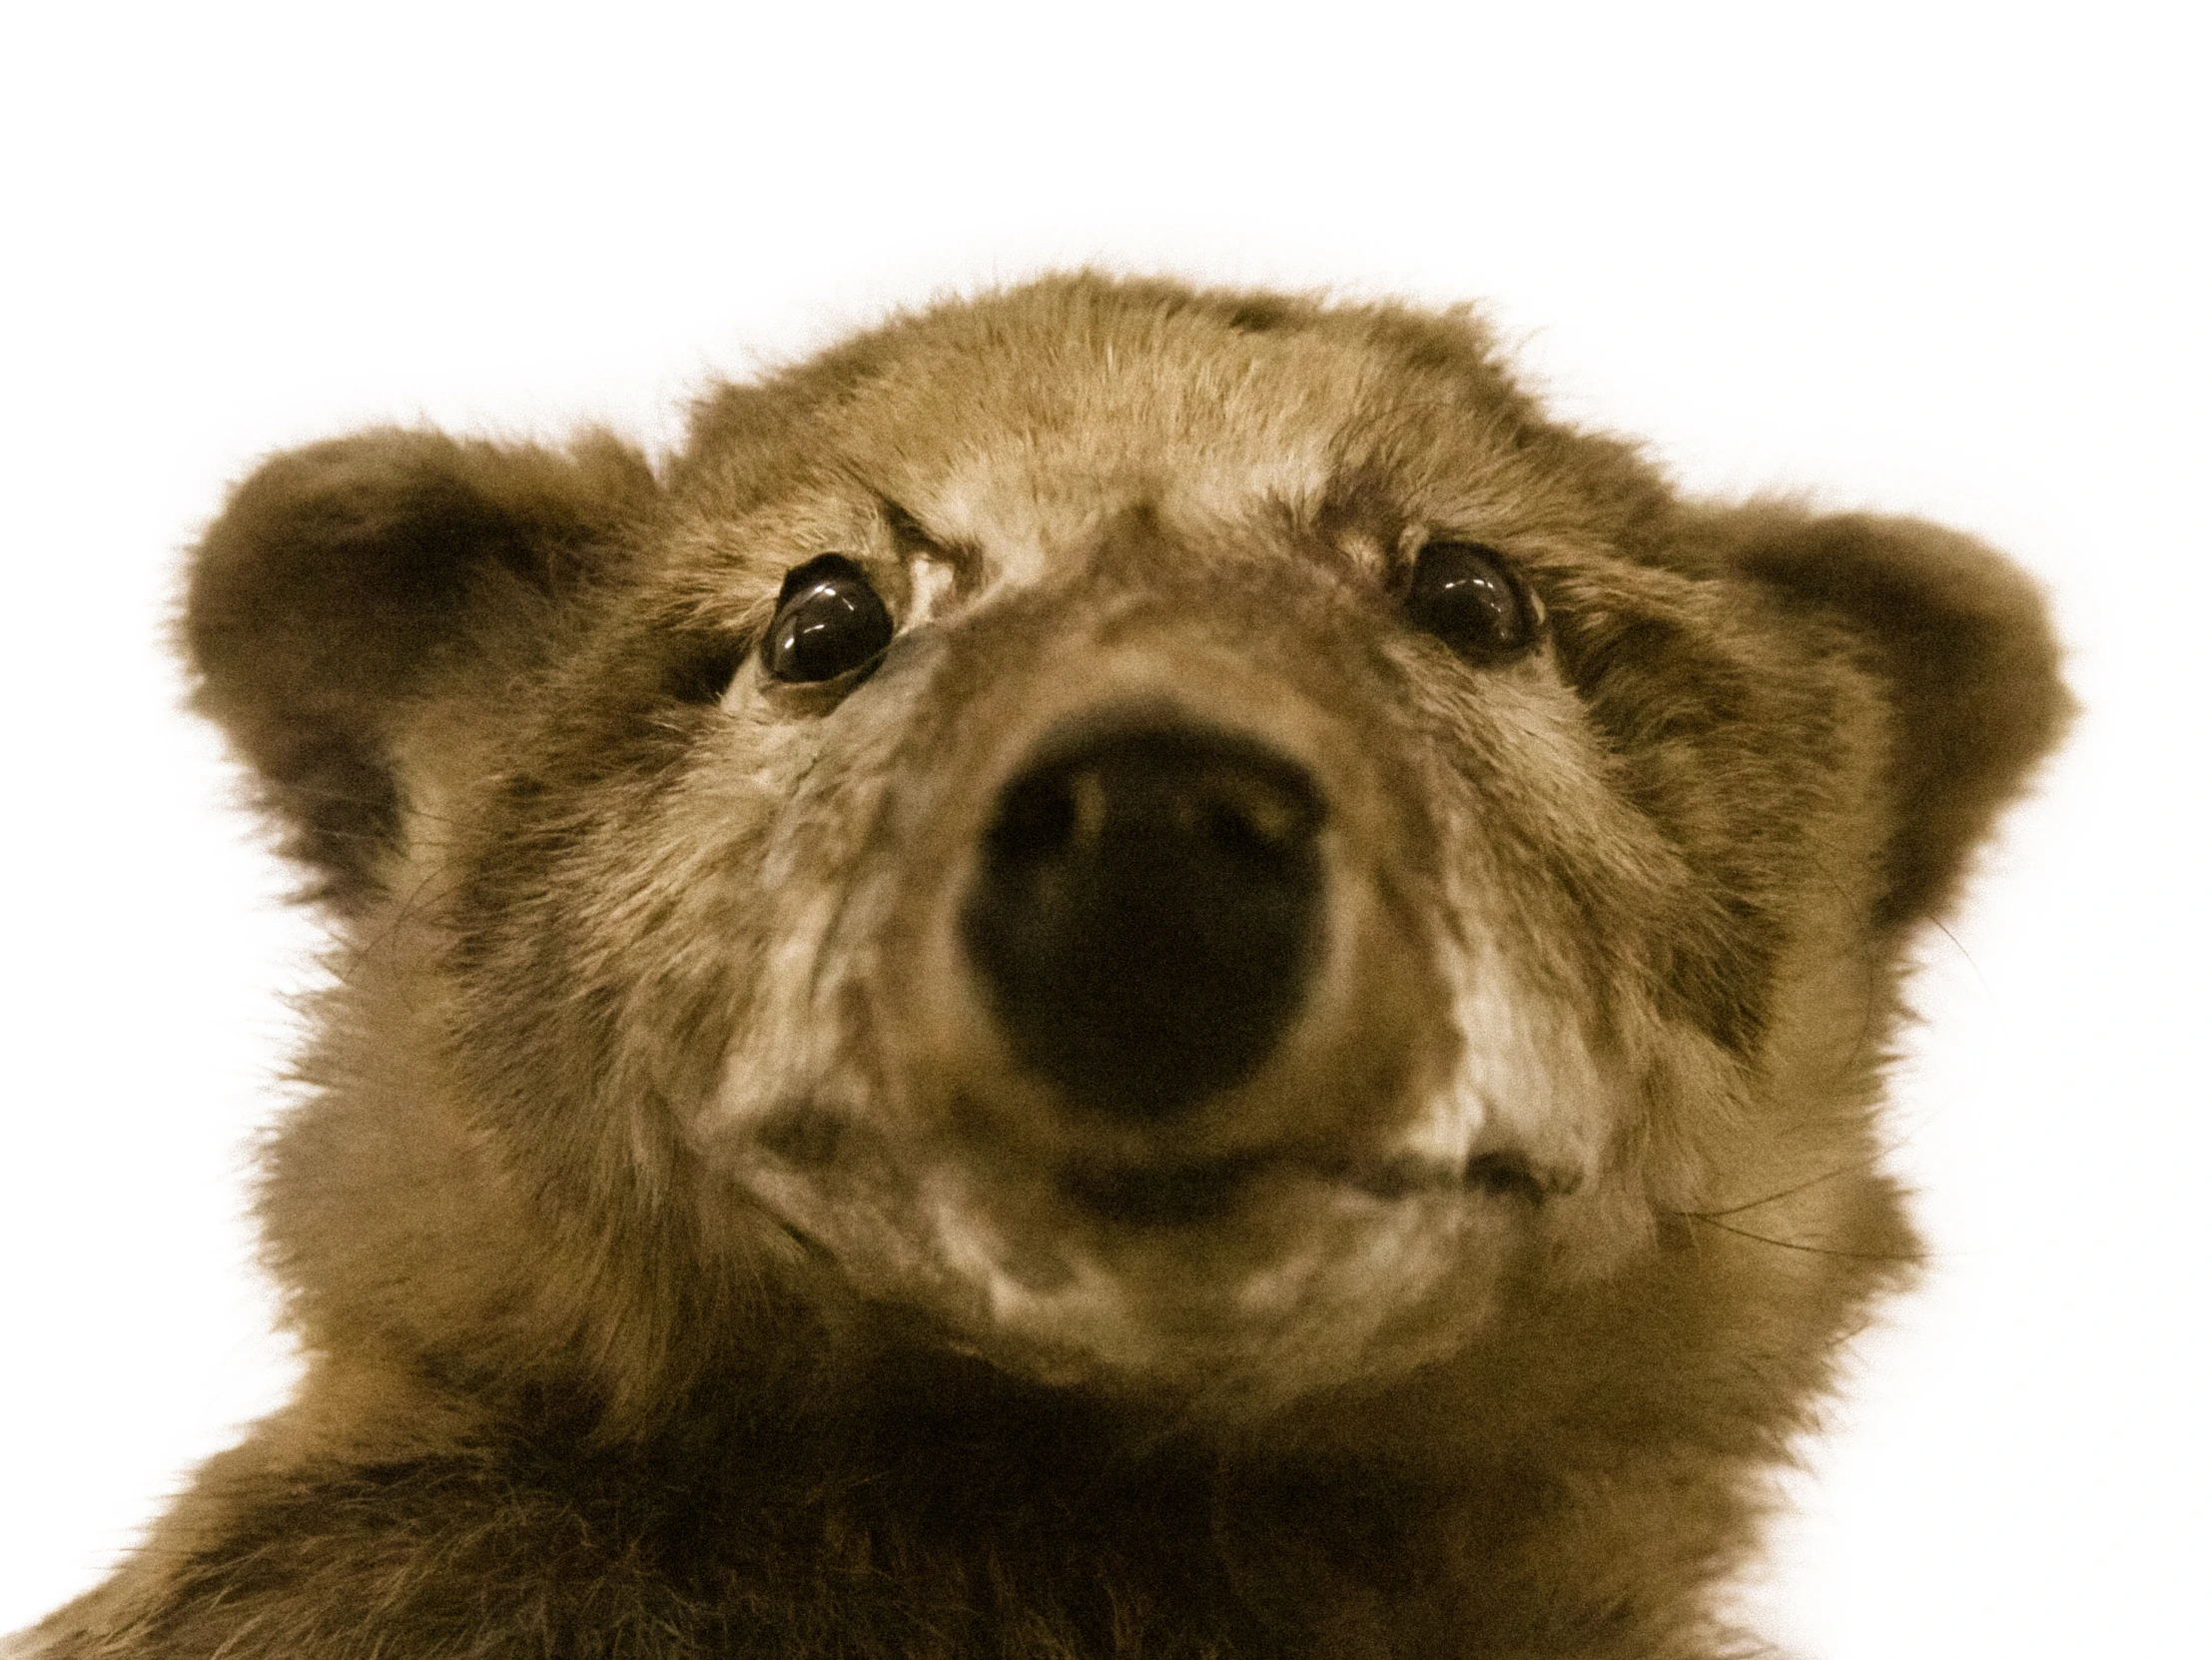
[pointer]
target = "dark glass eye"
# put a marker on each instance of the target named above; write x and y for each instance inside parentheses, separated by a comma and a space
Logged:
(1469, 597)
(828, 622)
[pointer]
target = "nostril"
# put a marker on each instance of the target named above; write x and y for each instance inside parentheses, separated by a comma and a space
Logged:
(1256, 820)
(1036, 821)
(1047, 816)
(1147, 909)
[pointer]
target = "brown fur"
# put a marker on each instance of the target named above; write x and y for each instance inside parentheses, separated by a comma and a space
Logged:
(688, 1268)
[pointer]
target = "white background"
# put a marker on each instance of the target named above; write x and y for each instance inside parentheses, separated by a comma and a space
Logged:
(1929, 259)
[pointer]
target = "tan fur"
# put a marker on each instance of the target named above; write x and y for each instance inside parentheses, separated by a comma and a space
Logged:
(692, 1265)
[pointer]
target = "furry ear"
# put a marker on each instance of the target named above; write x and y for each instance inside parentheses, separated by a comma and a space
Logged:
(346, 582)
(1960, 638)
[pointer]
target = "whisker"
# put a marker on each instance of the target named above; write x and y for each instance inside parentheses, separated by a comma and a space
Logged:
(1810, 1250)
(1874, 1157)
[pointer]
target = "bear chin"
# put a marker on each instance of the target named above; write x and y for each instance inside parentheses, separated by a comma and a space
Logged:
(1233, 1288)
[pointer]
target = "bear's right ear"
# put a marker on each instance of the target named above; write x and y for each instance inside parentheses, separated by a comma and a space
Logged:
(1958, 639)
(347, 581)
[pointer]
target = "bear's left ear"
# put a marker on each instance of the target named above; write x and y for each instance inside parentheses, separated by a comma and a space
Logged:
(1959, 639)
(348, 583)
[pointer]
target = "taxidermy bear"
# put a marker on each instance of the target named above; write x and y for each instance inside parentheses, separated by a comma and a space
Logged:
(1124, 971)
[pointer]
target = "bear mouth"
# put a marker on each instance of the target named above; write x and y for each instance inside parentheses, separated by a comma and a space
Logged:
(830, 1152)
(1193, 1195)
(1166, 1194)
(1243, 1279)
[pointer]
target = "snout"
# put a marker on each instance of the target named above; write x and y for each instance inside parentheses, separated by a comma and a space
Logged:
(1146, 909)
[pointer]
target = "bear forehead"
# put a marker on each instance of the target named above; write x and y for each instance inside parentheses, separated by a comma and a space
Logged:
(996, 433)
(1014, 427)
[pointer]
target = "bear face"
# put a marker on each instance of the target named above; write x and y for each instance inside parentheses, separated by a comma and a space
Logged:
(1185, 863)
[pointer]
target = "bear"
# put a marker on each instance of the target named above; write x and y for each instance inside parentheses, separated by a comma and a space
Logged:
(1123, 971)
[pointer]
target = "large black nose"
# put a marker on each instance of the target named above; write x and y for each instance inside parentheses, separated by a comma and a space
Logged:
(1147, 909)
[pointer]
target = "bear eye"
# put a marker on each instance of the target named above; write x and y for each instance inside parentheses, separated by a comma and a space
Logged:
(828, 622)
(1469, 597)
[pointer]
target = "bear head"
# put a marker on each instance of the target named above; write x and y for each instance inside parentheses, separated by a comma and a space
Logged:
(1191, 850)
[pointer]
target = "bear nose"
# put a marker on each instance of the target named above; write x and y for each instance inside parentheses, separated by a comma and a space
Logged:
(1148, 910)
